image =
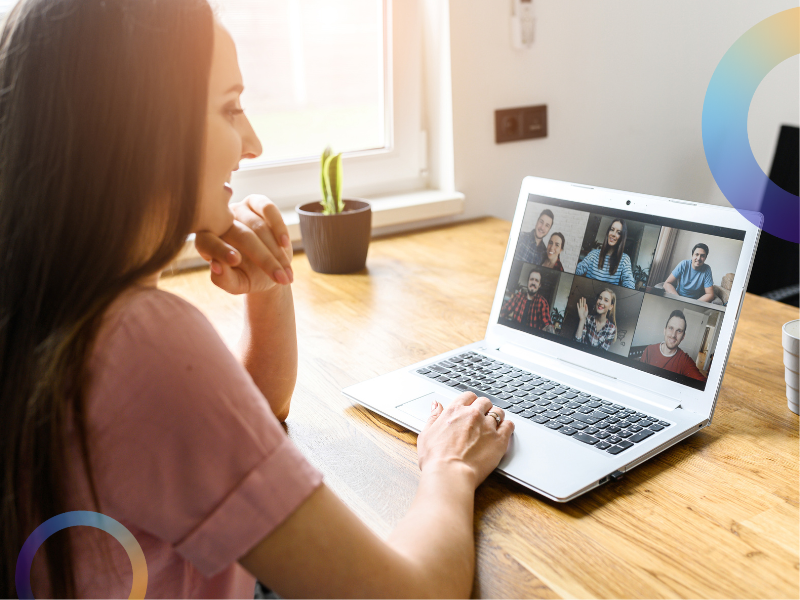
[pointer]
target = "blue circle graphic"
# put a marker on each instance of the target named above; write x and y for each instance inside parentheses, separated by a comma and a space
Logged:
(725, 109)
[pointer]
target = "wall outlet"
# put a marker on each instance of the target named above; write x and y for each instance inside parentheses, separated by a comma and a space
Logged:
(522, 123)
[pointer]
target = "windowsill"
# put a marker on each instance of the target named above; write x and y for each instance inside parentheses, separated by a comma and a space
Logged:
(390, 214)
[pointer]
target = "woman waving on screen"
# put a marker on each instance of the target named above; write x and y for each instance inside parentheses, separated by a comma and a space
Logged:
(598, 330)
(609, 263)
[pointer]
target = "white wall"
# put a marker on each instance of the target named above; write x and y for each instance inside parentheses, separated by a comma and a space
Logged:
(562, 293)
(624, 83)
(649, 242)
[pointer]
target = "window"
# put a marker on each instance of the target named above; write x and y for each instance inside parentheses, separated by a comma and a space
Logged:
(351, 74)
(345, 73)
(316, 74)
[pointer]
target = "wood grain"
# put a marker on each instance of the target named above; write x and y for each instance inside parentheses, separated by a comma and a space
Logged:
(715, 516)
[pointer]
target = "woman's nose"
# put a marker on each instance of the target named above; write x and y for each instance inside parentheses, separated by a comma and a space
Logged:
(251, 145)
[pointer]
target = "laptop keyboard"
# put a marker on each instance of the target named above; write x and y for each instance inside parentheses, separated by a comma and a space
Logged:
(603, 424)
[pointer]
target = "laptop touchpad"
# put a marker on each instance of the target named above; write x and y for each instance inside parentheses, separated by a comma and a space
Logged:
(420, 408)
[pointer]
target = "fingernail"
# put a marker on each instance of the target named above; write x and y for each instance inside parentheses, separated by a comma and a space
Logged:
(434, 406)
(280, 277)
(233, 257)
(290, 273)
(285, 241)
(216, 267)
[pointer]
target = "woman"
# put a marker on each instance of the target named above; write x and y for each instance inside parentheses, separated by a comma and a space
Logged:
(120, 125)
(555, 246)
(610, 263)
(598, 330)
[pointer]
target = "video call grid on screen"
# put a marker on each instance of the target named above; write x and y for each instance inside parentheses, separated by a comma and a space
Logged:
(663, 304)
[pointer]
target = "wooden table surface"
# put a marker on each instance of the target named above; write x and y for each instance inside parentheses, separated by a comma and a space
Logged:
(715, 516)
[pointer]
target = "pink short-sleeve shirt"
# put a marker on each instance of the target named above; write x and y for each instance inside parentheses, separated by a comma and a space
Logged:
(186, 454)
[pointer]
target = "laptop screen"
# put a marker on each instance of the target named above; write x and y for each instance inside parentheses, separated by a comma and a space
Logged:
(644, 291)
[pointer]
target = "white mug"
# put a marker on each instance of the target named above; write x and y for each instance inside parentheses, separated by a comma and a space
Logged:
(790, 335)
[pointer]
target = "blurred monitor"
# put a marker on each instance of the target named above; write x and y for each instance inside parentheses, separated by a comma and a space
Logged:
(776, 270)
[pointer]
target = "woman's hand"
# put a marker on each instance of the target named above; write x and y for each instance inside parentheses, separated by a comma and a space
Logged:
(463, 434)
(583, 309)
(255, 254)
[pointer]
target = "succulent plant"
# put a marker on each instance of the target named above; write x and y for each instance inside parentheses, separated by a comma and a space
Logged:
(331, 182)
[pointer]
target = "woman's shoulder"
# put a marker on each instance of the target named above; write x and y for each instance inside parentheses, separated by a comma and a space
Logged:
(138, 301)
(152, 314)
(184, 444)
(157, 358)
(149, 330)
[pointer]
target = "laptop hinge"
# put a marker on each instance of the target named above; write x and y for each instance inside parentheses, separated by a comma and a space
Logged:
(609, 382)
(587, 368)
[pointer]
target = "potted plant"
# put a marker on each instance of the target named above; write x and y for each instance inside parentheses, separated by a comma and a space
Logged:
(641, 276)
(335, 231)
(557, 318)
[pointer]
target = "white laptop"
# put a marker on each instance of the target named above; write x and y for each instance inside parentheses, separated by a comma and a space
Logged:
(609, 332)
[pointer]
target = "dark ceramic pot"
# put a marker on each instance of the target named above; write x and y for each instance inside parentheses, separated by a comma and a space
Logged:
(336, 244)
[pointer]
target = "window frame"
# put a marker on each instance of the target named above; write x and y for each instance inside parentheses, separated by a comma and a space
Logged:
(401, 166)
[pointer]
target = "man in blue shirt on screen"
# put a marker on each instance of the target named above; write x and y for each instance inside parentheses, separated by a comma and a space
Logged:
(692, 278)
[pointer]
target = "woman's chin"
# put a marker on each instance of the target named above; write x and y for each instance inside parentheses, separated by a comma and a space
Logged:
(226, 223)
(218, 224)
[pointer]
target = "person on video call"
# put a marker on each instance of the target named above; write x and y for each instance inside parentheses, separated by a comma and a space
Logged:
(692, 277)
(598, 330)
(610, 263)
(555, 246)
(531, 248)
(667, 355)
(528, 307)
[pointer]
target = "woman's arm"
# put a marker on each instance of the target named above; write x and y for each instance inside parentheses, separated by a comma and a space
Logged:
(626, 277)
(268, 346)
(583, 314)
(254, 257)
(583, 266)
(324, 550)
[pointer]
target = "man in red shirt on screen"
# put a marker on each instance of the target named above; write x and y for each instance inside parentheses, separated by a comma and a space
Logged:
(528, 307)
(667, 355)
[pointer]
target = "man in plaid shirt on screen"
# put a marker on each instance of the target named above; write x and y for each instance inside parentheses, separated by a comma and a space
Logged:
(528, 307)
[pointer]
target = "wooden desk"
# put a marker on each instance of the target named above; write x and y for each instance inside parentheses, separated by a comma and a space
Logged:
(715, 516)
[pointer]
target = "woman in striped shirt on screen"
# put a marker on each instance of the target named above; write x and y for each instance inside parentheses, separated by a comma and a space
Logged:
(610, 263)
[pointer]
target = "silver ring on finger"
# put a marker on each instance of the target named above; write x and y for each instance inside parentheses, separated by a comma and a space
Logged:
(496, 417)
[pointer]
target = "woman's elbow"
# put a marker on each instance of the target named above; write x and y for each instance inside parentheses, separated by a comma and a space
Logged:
(281, 410)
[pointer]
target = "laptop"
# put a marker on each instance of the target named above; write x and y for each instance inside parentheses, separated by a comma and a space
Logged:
(608, 336)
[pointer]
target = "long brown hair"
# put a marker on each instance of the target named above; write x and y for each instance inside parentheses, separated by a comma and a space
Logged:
(617, 252)
(102, 125)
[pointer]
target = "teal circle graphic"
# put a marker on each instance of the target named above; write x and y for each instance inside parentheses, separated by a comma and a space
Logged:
(725, 109)
(22, 576)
